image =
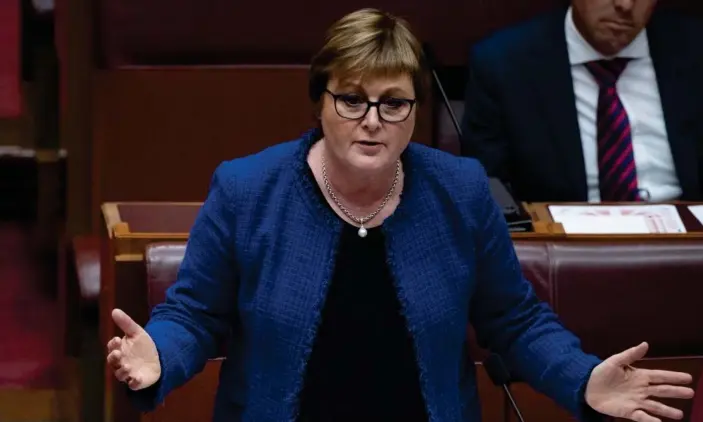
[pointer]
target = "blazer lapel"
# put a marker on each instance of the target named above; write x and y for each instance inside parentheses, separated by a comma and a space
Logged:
(433, 291)
(674, 70)
(554, 90)
(302, 237)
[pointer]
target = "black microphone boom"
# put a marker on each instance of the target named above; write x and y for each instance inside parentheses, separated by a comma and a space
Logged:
(430, 58)
(500, 376)
(516, 216)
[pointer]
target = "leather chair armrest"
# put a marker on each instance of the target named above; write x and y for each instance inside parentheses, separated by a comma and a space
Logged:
(86, 259)
(163, 260)
(697, 413)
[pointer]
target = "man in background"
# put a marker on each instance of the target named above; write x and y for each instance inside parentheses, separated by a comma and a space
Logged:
(600, 102)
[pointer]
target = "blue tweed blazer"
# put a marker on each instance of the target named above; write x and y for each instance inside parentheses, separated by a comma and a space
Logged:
(262, 252)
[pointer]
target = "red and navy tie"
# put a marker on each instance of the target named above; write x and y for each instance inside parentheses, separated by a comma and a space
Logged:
(617, 173)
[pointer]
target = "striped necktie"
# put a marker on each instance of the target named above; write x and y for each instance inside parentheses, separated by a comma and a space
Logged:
(617, 174)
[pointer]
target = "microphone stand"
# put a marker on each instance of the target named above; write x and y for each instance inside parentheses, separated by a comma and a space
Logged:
(447, 103)
(500, 376)
(517, 218)
(508, 404)
(430, 62)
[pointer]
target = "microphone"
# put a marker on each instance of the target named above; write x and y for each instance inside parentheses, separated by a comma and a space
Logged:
(500, 376)
(431, 64)
(515, 215)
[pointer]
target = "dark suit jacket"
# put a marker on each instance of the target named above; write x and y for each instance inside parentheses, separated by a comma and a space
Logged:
(521, 121)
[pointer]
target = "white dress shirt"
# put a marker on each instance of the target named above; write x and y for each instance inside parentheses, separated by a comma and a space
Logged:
(639, 93)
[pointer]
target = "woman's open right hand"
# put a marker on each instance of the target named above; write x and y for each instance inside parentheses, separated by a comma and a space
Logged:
(133, 357)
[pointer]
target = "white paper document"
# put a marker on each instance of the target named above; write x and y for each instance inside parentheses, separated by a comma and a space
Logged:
(618, 219)
(697, 211)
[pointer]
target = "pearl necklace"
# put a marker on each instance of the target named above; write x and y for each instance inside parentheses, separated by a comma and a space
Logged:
(360, 220)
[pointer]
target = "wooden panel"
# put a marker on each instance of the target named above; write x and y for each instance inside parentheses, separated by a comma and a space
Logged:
(159, 133)
(74, 45)
(11, 105)
(14, 132)
(230, 32)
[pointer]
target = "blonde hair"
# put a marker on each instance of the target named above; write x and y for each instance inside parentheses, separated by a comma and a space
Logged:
(368, 43)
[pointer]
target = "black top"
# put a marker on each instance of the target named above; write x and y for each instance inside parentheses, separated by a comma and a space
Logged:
(363, 365)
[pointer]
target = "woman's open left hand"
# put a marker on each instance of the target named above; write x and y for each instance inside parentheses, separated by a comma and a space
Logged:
(619, 390)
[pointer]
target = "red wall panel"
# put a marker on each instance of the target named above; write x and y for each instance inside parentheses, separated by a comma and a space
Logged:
(10, 94)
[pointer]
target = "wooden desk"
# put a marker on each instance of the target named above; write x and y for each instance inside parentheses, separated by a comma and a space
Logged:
(128, 228)
(546, 227)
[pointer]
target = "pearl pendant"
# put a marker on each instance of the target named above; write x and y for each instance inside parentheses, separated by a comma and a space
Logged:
(362, 231)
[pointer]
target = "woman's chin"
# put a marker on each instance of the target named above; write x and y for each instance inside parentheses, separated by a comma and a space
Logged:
(368, 163)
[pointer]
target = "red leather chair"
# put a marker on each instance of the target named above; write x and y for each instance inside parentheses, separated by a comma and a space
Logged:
(80, 282)
(612, 295)
(697, 413)
(194, 401)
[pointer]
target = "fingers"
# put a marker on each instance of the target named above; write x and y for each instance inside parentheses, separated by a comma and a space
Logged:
(631, 355)
(122, 370)
(660, 409)
(668, 377)
(125, 323)
(670, 392)
(123, 373)
(642, 416)
(135, 384)
(114, 344)
(114, 359)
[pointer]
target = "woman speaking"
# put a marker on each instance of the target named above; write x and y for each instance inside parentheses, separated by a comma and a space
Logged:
(340, 272)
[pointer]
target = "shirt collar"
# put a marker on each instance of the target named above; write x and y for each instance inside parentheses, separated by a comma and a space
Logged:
(580, 51)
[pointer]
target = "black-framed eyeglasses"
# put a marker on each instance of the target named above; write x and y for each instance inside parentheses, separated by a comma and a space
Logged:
(355, 107)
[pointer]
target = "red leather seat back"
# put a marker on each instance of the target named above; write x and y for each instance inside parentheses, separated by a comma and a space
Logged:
(164, 258)
(162, 263)
(611, 295)
(193, 401)
(616, 295)
(697, 415)
(534, 260)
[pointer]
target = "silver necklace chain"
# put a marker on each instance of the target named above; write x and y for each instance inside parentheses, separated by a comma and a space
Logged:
(360, 220)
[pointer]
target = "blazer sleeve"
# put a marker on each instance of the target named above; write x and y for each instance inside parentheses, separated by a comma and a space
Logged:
(510, 320)
(196, 316)
(483, 133)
